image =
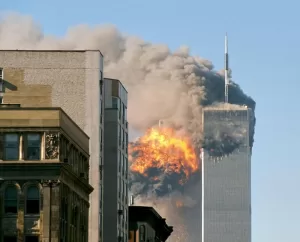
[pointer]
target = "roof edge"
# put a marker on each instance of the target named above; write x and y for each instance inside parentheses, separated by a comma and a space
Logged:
(54, 50)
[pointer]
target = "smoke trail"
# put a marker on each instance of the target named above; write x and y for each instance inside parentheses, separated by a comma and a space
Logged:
(172, 86)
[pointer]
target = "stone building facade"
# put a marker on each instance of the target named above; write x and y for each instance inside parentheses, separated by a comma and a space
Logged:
(73, 81)
(44, 176)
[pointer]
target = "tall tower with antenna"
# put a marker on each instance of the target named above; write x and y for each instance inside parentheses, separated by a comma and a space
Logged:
(226, 69)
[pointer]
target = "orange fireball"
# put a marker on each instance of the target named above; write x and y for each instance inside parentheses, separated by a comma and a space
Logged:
(165, 150)
(179, 204)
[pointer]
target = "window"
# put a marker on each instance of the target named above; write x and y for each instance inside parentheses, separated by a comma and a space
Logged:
(123, 139)
(126, 143)
(125, 113)
(120, 161)
(142, 233)
(31, 238)
(74, 217)
(11, 200)
(33, 200)
(120, 111)
(123, 165)
(10, 238)
(120, 135)
(101, 110)
(124, 188)
(33, 147)
(115, 102)
(119, 188)
(1, 85)
(11, 146)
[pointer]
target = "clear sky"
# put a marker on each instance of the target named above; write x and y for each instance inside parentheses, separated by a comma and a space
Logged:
(264, 50)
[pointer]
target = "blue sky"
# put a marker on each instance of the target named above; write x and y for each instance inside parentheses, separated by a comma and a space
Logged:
(264, 48)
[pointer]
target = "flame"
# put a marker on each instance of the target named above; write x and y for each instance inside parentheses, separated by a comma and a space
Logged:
(179, 204)
(165, 150)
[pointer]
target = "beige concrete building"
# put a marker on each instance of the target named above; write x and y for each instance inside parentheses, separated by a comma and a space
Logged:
(44, 171)
(73, 81)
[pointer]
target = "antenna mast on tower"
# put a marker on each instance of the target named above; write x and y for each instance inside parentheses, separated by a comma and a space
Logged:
(226, 69)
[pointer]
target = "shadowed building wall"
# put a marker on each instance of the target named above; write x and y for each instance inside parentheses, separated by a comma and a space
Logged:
(115, 206)
(145, 224)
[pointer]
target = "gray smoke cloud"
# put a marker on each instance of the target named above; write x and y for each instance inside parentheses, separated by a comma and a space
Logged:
(173, 86)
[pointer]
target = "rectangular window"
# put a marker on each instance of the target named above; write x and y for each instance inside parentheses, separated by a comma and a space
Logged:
(11, 146)
(32, 200)
(115, 102)
(11, 200)
(119, 188)
(123, 139)
(123, 187)
(31, 238)
(10, 239)
(123, 113)
(120, 162)
(120, 134)
(1, 85)
(101, 107)
(125, 168)
(126, 143)
(123, 165)
(33, 147)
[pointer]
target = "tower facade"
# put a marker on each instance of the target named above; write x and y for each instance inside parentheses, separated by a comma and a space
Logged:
(115, 203)
(226, 174)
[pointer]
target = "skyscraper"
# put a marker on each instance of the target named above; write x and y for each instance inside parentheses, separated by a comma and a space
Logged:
(115, 193)
(226, 174)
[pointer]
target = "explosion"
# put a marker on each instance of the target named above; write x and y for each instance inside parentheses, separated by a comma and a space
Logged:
(163, 164)
(165, 151)
(162, 160)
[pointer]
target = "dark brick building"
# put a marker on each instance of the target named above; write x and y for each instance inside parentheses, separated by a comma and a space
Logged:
(146, 225)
